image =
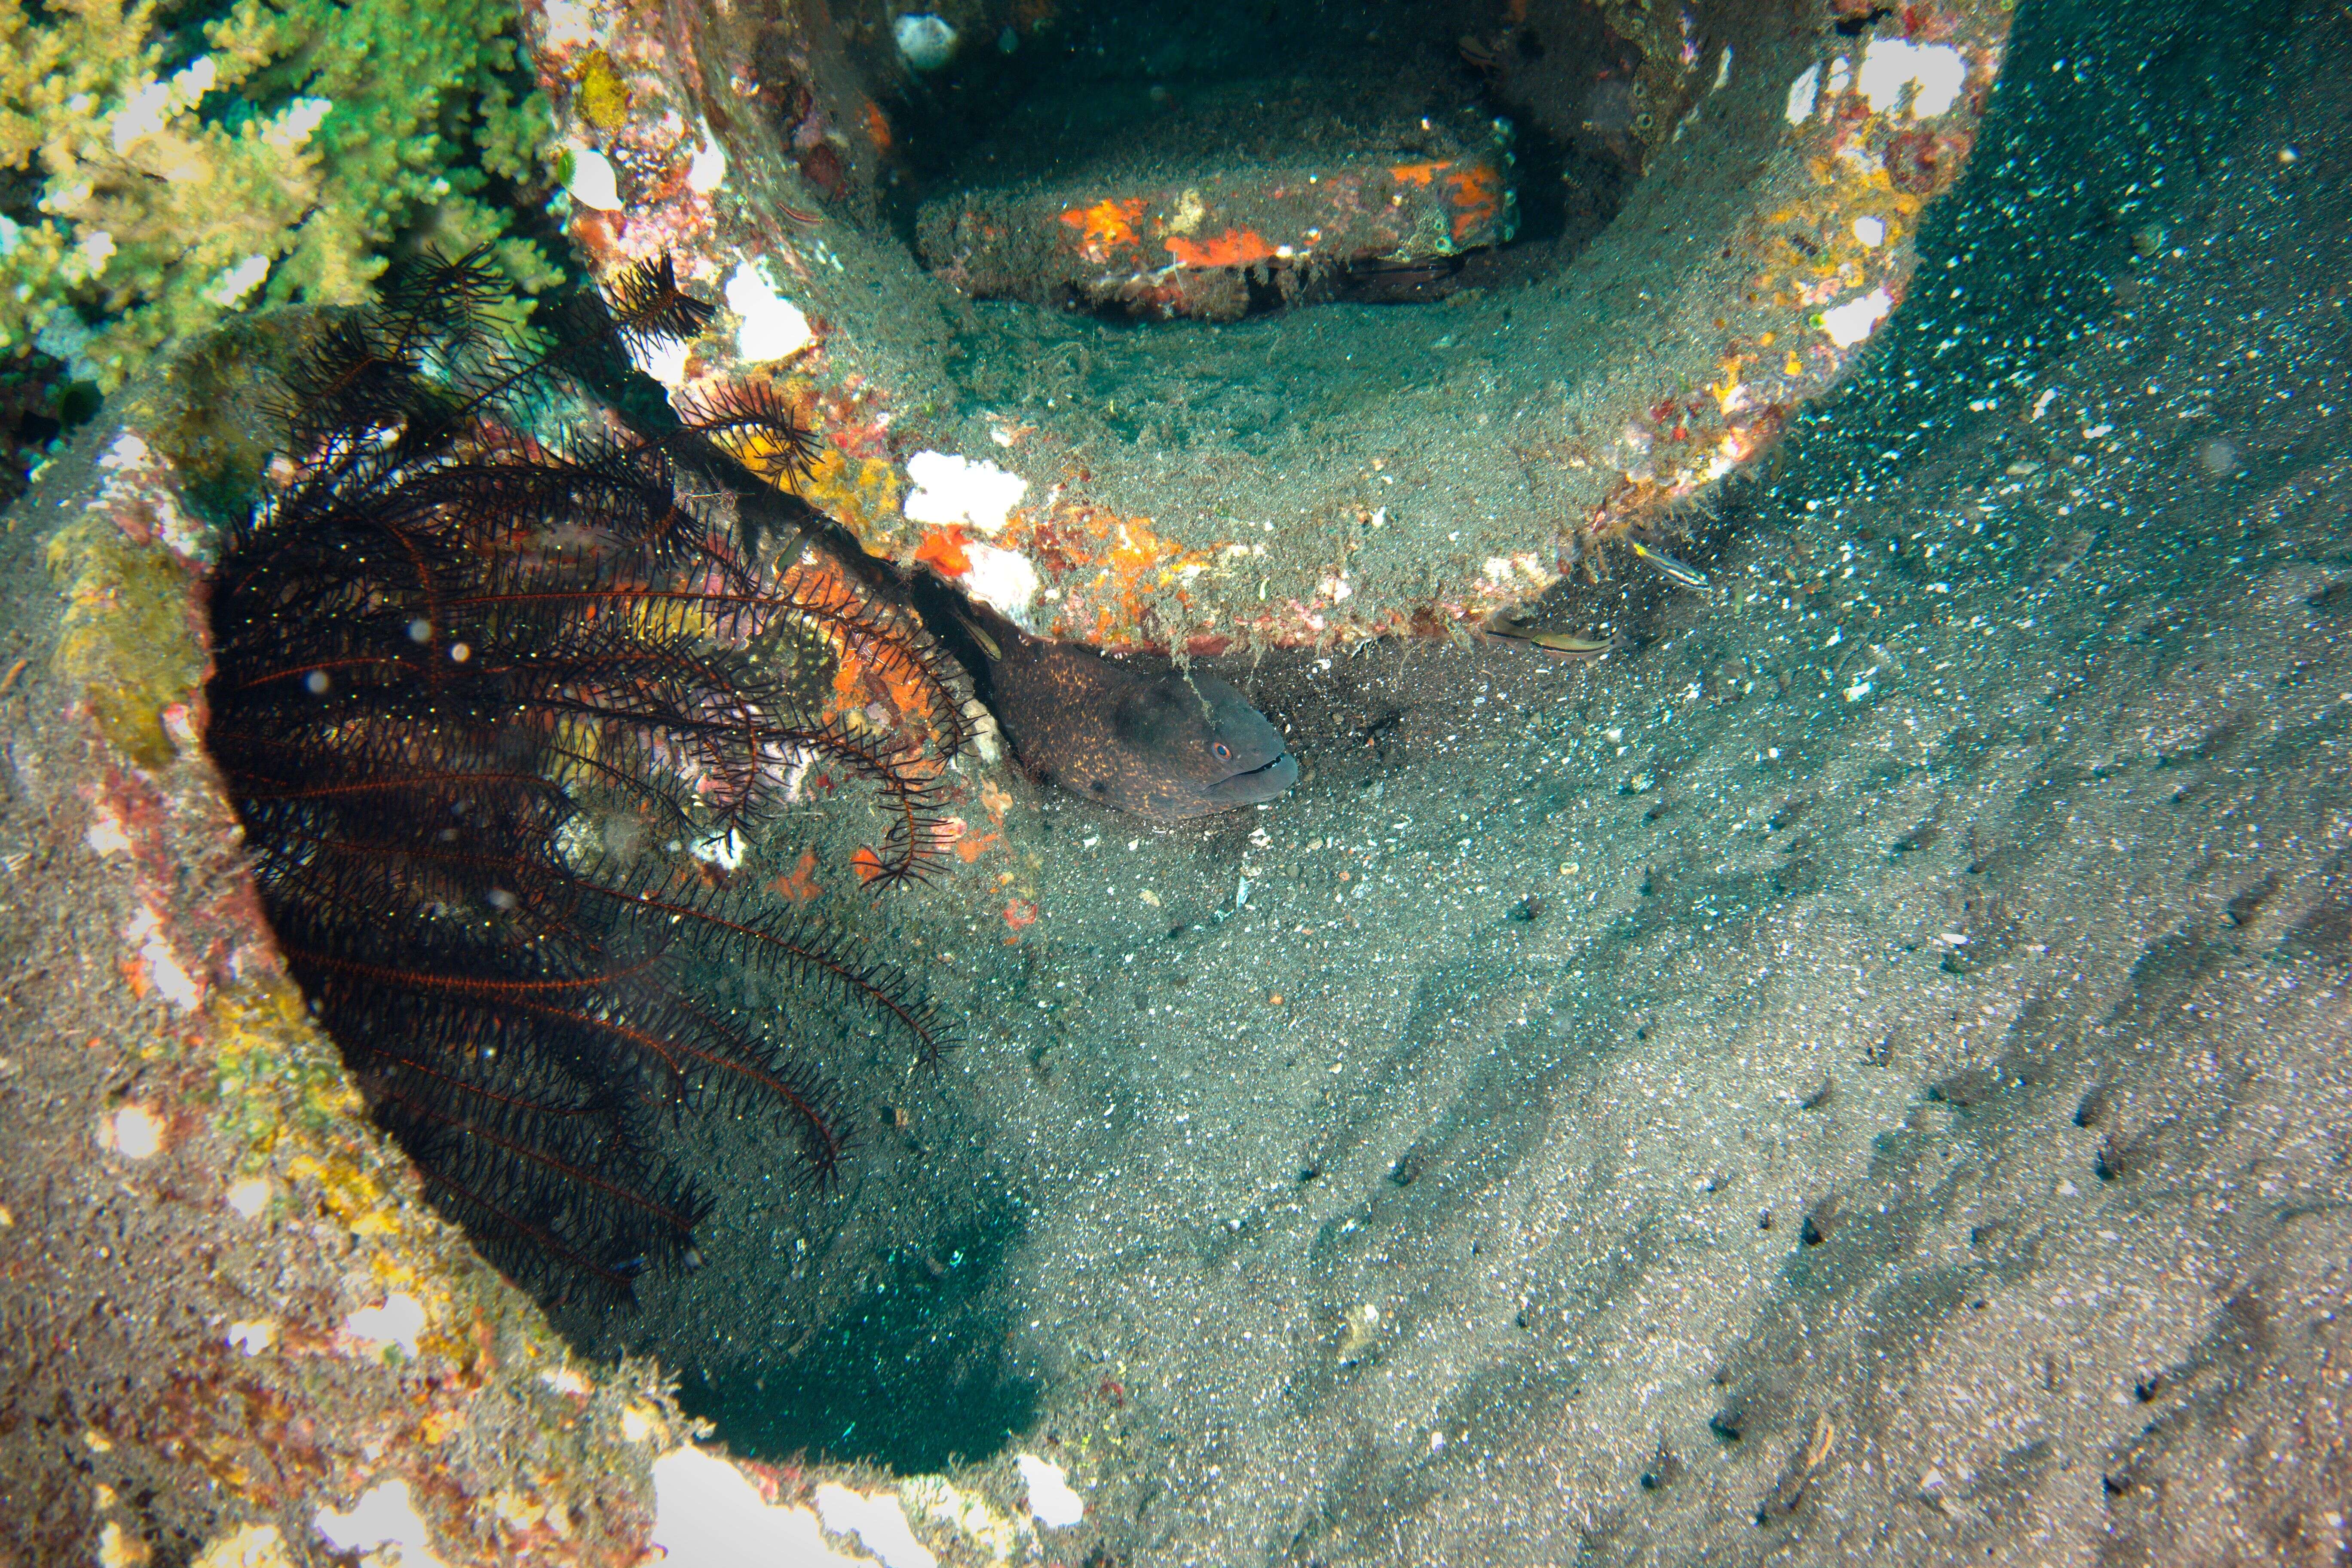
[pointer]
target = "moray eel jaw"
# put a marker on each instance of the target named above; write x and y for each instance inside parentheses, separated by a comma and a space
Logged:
(1265, 781)
(1242, 755)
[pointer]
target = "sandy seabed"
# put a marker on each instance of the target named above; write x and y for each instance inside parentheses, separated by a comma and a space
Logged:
(1860, 1073)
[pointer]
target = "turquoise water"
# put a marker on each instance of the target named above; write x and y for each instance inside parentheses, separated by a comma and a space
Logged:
(1860, 1072)
(1857, 1073)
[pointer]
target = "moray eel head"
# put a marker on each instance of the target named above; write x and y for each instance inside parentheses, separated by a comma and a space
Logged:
(1212, 751)
(1127, 734)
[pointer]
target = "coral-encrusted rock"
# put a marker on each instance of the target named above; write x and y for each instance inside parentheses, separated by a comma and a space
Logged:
(1731, 215)
(233, 1320)
(246, 1318)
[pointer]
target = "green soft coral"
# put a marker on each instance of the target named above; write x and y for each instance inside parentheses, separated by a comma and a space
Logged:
(280, 165)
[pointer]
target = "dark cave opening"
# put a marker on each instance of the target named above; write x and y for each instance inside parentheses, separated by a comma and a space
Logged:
(1163, 160)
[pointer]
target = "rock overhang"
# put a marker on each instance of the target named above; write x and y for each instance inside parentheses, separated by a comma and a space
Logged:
(1312, 474)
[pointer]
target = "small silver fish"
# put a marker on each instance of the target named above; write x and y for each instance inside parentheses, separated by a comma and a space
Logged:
(1690, 577)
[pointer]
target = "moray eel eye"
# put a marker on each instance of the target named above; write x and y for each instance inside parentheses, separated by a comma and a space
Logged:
(1222, 751)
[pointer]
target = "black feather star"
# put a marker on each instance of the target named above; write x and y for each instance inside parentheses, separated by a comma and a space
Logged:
(647, 305)
(472, 693)
(753, 422)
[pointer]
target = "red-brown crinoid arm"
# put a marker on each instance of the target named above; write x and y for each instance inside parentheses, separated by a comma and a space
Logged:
(616, 1283)
(694, 1046)
(808, 1100)
(779, 943)
(909, 776)
(889, 643)
(610, 1187)
(520, 993)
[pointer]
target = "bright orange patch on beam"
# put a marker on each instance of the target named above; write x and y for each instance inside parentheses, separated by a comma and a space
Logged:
(1475, 191)
(848, 674)
(909, 696)
(943, 548)
(1110, 565)
(799, 884)
(1234, 247)
(1419, 174)
(1105, 226)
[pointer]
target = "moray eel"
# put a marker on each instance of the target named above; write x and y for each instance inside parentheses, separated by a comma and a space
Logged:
(1134, 734)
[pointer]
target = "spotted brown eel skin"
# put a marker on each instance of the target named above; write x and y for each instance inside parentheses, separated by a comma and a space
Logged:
(1135, 733)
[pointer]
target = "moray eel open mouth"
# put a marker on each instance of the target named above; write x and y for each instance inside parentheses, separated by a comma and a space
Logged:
(1267, 781)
